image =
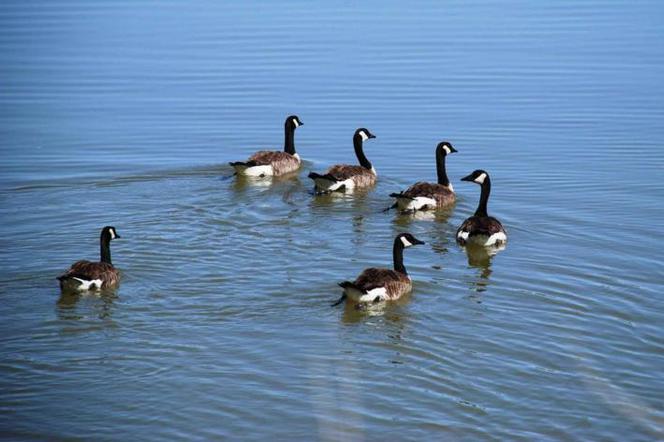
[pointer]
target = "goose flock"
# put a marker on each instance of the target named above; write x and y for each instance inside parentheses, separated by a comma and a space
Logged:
(373, 285)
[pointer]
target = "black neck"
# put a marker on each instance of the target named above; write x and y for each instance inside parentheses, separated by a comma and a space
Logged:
(359, 152)
(289, 138)
(440, 168)
(397, 256)
(484, 198)
(105, 243)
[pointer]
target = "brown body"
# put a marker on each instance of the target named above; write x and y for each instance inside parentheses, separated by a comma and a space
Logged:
(396, 284)
(108, 275)
(482, 230)
(281, 162)
(361, 176)
(442, 194)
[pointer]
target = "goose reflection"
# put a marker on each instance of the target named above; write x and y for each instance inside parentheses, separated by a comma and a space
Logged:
(437, 216)
(355, 203)
(392, 311)
(78, 306)
(243, 182)
(480, 257)
(357, 196)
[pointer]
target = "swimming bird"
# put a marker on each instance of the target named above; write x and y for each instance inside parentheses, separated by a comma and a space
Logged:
(481, 228)
(344, 177)
(376, 284)
(429, 196)
(273, 163)
(87, 275)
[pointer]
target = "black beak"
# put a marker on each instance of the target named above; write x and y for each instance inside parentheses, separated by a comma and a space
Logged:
(372, 136)
(467, 178)
(417, 241)
(117, 236)
(300, 123)
(453, 150)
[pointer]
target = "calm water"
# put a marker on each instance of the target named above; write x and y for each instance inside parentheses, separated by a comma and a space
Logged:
(126, 114)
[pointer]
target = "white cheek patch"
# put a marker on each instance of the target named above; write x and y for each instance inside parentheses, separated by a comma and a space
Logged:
(364, 136)
(113, 236)
(405, 242)
(480, 179)
(296, 123)
(447, 149)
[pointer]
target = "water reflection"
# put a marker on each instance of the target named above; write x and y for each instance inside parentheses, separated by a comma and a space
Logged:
(328, 199)
(78, 306)
(390, 310)
(480, 257)
(294, 191)
(243, 182)
(406, 218)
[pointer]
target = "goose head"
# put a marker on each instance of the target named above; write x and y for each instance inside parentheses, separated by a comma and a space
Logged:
(479, 176)
(363, 134)
(408, 240)
(109, 233)
(293, 121)
(445, 148)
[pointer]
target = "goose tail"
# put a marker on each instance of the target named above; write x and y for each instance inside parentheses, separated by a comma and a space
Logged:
(325, 183)
(400, 195)
(241, 166)
(349, 285)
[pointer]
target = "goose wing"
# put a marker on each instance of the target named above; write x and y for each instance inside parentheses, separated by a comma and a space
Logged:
(90, 271)
(481, 225)
(373, 278)
(342, 172)
(265, 157)
(422, 189)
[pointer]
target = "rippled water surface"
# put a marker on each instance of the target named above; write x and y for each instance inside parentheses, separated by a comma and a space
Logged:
(126, 113)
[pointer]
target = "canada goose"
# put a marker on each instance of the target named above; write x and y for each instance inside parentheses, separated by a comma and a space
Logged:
(375, 285)
(343, 177)
(273, 163)
(481, 228)
(87, 275)
(429, 196)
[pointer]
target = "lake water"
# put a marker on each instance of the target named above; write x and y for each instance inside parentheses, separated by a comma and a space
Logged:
(126, 114)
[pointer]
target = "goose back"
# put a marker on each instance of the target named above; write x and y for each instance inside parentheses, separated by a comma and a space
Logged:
(87, 275)
(360, 176)
(439, 192)
(483, 230)
(395, 284)
(281, 162)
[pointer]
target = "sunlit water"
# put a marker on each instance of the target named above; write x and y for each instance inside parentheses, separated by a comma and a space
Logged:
(126, 114)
